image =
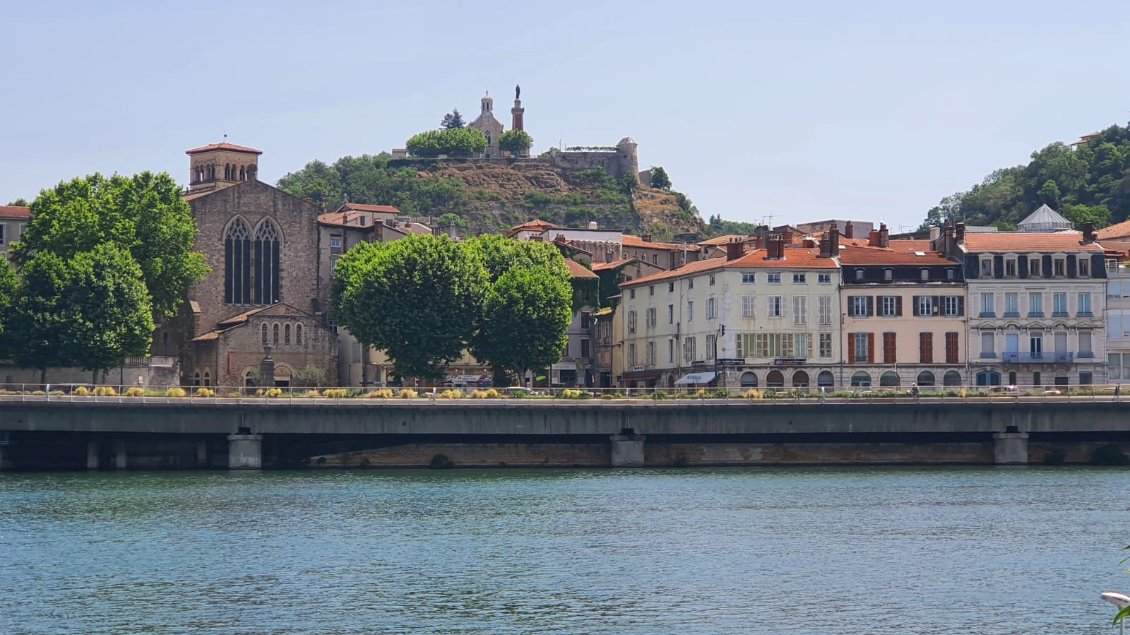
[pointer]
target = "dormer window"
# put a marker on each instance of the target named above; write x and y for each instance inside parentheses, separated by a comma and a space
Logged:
(925, 275)
(888, 274)
(1084, 267)
(986, 267)
(858, 275)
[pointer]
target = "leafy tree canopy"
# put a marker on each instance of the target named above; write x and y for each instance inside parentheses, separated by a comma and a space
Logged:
(9, 285)
(526, 314)
(1090, 182)
(453, 142)
(144, 214)
(452, 120)
(515, 141)
(659, 178)
(370, 179)
(20, 202)
(415, 298)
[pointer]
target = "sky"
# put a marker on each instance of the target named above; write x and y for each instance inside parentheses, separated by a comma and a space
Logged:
(759, 111)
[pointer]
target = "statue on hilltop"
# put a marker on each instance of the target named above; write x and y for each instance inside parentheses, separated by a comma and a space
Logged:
(517, 92)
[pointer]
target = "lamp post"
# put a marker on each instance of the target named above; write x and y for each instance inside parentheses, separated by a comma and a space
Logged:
(718, 334)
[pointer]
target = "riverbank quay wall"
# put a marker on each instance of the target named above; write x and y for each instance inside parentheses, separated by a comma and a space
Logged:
(153, 433)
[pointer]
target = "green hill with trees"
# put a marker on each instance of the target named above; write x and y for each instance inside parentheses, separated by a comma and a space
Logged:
(1087, 181)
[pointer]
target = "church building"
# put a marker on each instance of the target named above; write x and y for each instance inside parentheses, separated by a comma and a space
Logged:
(492, 128)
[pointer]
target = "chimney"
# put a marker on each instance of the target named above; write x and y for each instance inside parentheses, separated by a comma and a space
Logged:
(776, 248)
(734, 250)
(647, 237)
(826, 246)
(849, 230)
(1088, 233)
(873, 238)
(787, 236)
(935, 233)
(833, 241)
(809, 242)
(959, 232)
(884, 236)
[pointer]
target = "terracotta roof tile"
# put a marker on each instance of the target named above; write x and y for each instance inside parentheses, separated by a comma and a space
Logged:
(639, 243)
(615, 264)
(910, 244)
(721, 240)
(359, 207)
(577, 270)
(880, 256)
(230, 147)
(15, 212)
(1023, 241)
(1118, 230)
(795, 258)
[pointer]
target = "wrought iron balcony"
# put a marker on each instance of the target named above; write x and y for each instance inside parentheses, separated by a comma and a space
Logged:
(1039, 358)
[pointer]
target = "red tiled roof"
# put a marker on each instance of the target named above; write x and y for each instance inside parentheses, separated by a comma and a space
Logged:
(910, 244)
(360, 207)
(879, 256)
(1022, 241)
(1118, 230)
(615, 264)
(345, 219)
(639, 243)
(230, 147)
(577, 270)
(795, 258)
(720, 240)
(537, 223)
(15, 212)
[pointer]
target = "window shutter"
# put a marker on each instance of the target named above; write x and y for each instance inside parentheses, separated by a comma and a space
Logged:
(889, 348)
(870, 305)
(914, 305)
(937, 308)
(898, 305)
(1048, 273)
(851, 347)
(961, 305)
(870, 348)
(1098, 267)
(1022, 266)
(998, 267)
(1072, 269)
(972, 267)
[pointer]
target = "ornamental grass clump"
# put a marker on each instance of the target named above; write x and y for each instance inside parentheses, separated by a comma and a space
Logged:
(754, 394)
(81, 391)
(450, 393)
(176, 391)
(204, 392)
(105, 391)
(335, 393)
(273, 393)
(312, 394)
(381, 393)
(573, 393)
(408, 393)
(135, 392)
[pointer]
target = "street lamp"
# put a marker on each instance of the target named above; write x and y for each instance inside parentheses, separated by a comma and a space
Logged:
(1121, 601)
(721, 331)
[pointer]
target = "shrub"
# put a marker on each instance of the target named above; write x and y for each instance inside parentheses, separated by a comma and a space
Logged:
(450, 393)
(313, 393)
(478, 394)
(659, 394)
(176, 392)
(381, 393)
(310, 376)
(492, 393)
(754, 394)
(274, 393)
(441, 462)
(335, 393)
(105, 391)
(408, 393)
(573, 393)
(81, 391)
(135, 392)
(205, 392)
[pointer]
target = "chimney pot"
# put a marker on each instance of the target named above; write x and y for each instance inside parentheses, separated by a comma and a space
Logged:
(1088, 233)
(849, 230)
(884, 236)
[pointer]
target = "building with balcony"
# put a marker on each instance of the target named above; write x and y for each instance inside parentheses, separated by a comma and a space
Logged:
(766, 318)
(1035, 305)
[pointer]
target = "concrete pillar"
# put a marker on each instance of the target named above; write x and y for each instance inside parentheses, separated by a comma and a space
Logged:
(6, 458)
(245, 451)
(119, 455)
(201, 454)
(92, 455)
(627, 450)
(1010, 448)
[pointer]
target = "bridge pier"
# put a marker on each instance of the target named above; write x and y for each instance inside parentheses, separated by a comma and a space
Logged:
(201, 454)
(245, 451)
(92, 462)
(627, 450)
(1010, 448)
(119, 454)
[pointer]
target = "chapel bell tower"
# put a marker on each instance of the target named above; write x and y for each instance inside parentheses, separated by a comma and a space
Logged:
(219, 165)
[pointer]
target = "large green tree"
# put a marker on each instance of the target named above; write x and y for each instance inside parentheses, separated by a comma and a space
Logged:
(515, 141)
(9, 287)
(453, 142)
(371, 179)
(415, 298)
(452, 120)
(659, 178)
(524, 320)
(37, 322)
(144, 214)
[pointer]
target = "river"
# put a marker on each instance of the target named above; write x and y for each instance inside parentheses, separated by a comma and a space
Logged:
(806, 550)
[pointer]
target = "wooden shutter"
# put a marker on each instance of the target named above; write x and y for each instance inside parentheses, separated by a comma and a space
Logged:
(1048, 273)
(851, 347)
(870, 348)
(926, 348)
(998, 267)
(889, 348)
(870, 305)
(961, 305)
(1022, 266)
(898, 305)
(914, 305)
(1072, 268)
(951, 348)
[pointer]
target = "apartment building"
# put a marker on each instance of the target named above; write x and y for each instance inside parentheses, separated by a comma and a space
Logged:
(13, 221)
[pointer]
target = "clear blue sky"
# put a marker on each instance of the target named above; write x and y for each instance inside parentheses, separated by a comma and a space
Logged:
(802, 110)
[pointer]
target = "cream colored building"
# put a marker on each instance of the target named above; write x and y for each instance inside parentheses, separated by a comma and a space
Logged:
(767, 318)
(13, 221)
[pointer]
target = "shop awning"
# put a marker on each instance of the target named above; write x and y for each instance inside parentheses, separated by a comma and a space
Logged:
(693, 379)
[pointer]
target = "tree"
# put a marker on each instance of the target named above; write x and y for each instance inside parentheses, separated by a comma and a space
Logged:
(516, 142)
(144, 214)
(453, 120)
(659, 178)
(107, 309)
(19, 202)
(9, 287)
(310, 376)
(455, 142)
(415, 298)
(525, 317)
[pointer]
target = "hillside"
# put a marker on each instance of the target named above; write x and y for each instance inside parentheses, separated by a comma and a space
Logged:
(1087, 181)
(492, 195)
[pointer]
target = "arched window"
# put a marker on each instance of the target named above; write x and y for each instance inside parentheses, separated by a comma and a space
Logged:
(298, 334)
(825, 379)
(275, 334)
(951, 378)
(800, 379)
(889, 378)
(749, 380)
(988, 378)
(196, 378)
(227, 171)
(860, 380)
(775, 379)
(237, 262)
(925, 378)
(286, 333)
(207, 378)
(242, 174)
(263, 331)
(266, 262)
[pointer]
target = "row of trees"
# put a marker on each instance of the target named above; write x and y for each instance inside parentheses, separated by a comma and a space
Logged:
(1090, 182)
(100, 260)
(425, 299)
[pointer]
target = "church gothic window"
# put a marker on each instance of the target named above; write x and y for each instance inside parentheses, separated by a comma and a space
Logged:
(275, 334)
(263, 331)
(251, 265)
(298, 334)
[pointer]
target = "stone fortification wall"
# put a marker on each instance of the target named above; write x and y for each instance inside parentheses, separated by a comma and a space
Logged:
(618, 162)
